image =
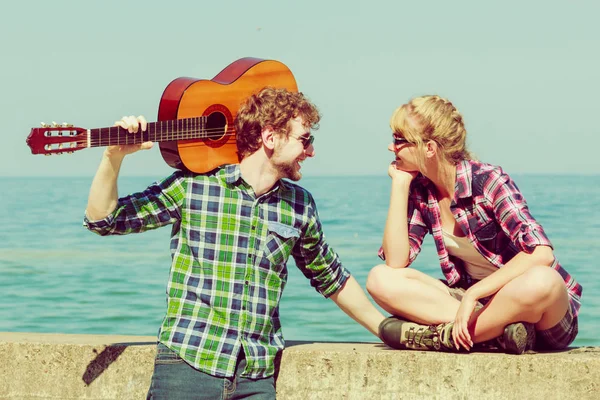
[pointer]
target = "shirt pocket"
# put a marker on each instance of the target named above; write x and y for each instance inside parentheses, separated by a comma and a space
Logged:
(280, 241)
(491, 237)
(486, 231)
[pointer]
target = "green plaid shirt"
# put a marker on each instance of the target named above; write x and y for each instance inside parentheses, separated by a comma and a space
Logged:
(229, 251)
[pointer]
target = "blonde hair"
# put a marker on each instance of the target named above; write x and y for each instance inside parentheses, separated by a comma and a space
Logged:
(433, 118)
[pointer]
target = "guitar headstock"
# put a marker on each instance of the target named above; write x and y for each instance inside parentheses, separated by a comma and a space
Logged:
(56, 139)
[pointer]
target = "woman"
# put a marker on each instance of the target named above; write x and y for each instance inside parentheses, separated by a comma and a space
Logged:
(503, 286)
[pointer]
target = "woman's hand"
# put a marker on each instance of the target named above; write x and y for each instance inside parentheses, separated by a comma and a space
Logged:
(133, 125)
(460, 331)
(398, 174)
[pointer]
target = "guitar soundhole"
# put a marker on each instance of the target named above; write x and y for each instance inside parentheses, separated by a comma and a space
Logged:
(216, 126)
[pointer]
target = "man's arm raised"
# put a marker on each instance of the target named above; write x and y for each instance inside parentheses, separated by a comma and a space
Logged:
(103, 196)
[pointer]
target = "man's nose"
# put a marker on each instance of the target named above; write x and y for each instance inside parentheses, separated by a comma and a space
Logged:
(310, 151)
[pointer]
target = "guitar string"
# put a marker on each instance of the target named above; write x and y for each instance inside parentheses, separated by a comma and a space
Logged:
(100, 139)
(189, 135)
(177, 132)
(98, 132)
(100, 143)
(121, 131)
(189, 130)
(181, 135)
(161, 137)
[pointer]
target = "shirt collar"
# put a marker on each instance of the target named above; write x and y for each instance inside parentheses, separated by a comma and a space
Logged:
(232, 175)
(463, 187)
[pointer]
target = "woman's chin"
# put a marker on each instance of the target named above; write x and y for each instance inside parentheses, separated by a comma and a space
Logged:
(403, 167)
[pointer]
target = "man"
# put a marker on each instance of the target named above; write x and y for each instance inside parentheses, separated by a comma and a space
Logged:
(233, 231)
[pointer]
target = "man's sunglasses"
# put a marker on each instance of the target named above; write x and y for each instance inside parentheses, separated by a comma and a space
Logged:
(306, 141)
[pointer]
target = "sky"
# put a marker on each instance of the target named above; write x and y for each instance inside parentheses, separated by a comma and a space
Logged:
(524, 74)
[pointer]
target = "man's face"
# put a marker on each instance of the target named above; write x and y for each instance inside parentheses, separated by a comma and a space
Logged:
(290, 152)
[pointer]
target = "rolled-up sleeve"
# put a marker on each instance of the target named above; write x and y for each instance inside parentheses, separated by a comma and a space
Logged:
(158, 205)
(512, 213)
(316, 259)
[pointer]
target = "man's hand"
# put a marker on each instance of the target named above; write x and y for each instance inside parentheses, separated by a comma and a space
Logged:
(133, 125)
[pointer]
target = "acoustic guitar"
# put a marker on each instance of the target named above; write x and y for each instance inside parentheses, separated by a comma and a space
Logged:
(195, 118)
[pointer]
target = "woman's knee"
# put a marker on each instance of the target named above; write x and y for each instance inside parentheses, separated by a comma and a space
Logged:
(375, 280)
(539, 286)
(383, 280)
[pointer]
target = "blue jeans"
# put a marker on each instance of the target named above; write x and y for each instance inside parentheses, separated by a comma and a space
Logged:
(173, 378)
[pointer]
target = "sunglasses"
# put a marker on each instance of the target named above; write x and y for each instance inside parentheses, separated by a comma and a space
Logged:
(398, 141)
(306, 140)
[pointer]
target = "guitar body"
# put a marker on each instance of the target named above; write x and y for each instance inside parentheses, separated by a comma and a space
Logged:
(218, 99)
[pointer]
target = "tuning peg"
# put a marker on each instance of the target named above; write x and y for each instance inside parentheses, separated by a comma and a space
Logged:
(54, 124)
(44, 125)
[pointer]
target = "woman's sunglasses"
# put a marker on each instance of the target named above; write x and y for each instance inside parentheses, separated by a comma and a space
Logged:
(398, 141)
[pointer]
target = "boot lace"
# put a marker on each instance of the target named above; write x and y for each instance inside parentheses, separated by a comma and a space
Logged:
(424, 337)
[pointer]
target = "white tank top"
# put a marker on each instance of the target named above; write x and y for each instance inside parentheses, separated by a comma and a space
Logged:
(475, 264)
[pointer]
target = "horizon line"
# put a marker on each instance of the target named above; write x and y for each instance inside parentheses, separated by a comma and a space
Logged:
(307, 176)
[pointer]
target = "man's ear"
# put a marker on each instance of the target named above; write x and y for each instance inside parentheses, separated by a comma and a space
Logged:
(268, 137)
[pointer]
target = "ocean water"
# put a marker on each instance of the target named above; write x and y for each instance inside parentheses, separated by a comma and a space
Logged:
(55, 276)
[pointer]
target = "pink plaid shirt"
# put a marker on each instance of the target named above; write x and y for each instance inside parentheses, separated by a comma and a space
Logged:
(491, 211)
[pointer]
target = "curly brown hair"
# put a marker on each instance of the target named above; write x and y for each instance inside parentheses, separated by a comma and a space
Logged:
(275, 108)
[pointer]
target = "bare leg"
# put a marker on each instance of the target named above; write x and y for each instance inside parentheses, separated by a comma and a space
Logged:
(538, 296)
(411, 294)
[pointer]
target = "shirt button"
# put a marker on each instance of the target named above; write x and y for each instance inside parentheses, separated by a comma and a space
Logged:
(247, 283)
(253, 227)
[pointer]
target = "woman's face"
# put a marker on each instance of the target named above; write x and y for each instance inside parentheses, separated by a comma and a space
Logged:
(405, 152)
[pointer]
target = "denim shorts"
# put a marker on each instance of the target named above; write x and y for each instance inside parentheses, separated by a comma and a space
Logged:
(558, 337)
(173, 378)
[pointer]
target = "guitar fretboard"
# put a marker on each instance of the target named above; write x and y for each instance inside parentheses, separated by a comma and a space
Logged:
(161, 131)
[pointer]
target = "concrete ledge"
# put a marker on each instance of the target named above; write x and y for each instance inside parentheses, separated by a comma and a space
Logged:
(57, 366)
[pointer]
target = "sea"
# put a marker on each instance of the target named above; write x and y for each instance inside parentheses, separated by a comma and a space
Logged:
(57, 277)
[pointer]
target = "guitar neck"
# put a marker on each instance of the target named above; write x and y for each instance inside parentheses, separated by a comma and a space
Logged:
(161, 131)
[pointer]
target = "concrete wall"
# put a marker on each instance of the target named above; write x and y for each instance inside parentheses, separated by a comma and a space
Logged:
(49, 366)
